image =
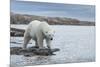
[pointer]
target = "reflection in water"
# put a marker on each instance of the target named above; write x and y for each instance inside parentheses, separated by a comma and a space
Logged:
(36, 60)
(42, 59)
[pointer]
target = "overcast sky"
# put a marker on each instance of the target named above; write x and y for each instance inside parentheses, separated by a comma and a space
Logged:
(81, 12)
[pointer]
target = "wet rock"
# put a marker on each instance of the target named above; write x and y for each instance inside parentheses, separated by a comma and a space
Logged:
(17, 32)
(31, 51)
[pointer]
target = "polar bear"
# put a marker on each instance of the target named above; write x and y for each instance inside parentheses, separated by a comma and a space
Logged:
(38, 31)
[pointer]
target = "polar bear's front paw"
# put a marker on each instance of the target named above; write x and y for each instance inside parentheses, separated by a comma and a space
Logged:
(24, 48)
(36, 46)
(41, 47)
(49, 47)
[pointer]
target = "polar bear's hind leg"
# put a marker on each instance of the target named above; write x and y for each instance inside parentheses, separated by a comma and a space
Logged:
(26, 40)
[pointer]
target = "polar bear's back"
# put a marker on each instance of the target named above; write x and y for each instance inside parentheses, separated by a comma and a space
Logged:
(35, 26)
(32, 27)
(34, 23)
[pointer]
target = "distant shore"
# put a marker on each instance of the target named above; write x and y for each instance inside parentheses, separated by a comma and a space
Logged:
(25, 19)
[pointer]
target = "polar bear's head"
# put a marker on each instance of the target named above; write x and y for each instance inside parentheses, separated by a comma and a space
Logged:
(49, 34)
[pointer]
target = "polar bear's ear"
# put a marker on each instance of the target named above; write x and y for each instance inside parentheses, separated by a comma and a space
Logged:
(53, 30)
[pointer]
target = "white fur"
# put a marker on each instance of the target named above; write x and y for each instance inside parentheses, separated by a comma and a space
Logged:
(38, 31)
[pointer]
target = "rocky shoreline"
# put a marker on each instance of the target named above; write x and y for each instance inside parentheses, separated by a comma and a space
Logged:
(25, 19)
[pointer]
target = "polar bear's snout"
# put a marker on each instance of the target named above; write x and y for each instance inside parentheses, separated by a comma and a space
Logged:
(51, 38)
(49, 35)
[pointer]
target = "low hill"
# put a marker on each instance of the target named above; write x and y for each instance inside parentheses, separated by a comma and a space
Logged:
(25, 19)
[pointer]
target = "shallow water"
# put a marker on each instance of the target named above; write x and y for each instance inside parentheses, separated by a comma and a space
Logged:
(76, 44)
